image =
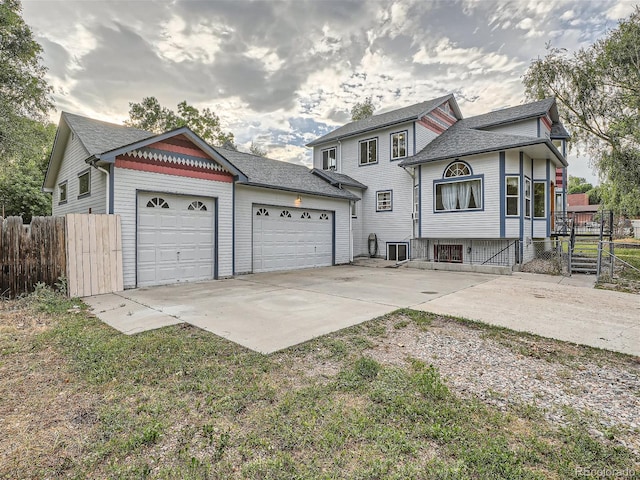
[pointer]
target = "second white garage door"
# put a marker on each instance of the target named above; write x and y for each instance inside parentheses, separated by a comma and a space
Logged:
(291, 238)
(175, 238)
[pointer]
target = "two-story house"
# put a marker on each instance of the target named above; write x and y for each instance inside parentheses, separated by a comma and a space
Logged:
(475, 190)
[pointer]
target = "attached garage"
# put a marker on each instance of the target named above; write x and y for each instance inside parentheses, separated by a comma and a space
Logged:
(286, 238)
(175, 238)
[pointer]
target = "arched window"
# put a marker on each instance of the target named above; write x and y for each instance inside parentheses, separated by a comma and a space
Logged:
(457, 169)
(157, 202)
(196, 205)
(262, 212)
(285, 214)
(324, 216)
(305, 215)
(459, 189)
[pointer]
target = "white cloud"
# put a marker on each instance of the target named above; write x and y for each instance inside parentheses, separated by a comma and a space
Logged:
(621, 9)
(179, 42)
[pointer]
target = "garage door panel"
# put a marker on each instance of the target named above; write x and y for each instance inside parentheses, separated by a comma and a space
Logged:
(283, 243)
(175, 244)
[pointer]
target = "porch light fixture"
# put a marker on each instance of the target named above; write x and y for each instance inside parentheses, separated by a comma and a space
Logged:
(298, 201)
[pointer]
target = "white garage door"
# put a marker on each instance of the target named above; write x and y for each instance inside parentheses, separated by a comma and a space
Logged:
(289, 238)
(175, 239)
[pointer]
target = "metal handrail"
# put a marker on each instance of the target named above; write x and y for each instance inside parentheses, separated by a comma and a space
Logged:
(501, 251)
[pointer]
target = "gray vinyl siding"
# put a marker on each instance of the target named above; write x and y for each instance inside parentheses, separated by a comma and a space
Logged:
(423, 136)
(128, 182)
(389, 226)
(73, 162)
(527, 127)
(246, 197)
(472, 224)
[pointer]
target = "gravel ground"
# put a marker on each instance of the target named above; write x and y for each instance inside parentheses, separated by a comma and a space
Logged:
(509, 371)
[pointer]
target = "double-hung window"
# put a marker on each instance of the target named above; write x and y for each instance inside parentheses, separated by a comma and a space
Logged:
(398, 145)
(513, 195)
(329, 159)
(62, 192)
(539, 199)
(384, 201)
(369, 151)
(84, 183)
(527, 198)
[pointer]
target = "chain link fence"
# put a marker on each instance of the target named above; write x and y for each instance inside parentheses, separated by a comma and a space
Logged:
(549, 256)
(618, 264)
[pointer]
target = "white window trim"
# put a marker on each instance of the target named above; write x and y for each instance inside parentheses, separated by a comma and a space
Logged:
(367, 141)
(379, 206)
(507, 196)
(335, 158)
(406, 144)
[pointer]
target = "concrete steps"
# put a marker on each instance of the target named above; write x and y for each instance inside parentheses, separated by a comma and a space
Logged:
(581, 263)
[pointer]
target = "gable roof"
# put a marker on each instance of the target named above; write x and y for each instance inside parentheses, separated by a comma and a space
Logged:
(511, 114)
(103, 141)
(338, 179)
(269, 173)
(99, 137)
(412, 112)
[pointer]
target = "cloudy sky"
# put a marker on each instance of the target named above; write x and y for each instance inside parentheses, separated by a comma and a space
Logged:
(282, 73)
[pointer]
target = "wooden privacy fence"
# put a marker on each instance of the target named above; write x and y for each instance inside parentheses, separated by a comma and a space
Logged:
(85, 250)
(31, 253)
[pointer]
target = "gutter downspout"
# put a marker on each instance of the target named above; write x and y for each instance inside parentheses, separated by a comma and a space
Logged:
(106, 172)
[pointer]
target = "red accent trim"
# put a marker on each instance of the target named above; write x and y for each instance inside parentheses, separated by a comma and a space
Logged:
(444, 116)
(546, 121)
(558, 177)
(431, 125)
(184, 148)
(146, 165)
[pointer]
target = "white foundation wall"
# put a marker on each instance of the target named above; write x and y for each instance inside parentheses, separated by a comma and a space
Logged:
(126, 185)
(246, 197)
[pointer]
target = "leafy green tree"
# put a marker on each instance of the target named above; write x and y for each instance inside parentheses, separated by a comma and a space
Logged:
(362, 110)
(599, 101)
(256, 149)
(24, 92)
(22, 175)
(25, 140)
(151, 116)
(578, 185)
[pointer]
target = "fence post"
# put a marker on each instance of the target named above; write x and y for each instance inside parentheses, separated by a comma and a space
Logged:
(599, 263)
(612, 258)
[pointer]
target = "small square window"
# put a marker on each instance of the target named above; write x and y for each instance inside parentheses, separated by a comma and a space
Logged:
(384, 201)
(62, 192)
(84, 183)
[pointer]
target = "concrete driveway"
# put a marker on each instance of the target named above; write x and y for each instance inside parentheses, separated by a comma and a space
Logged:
(269, 312)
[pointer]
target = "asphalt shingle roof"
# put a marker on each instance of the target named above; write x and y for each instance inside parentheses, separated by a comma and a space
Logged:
(100, 137)
(335, 178)
(268, 173)
(511, 114)
(381, 120)
(558, 131)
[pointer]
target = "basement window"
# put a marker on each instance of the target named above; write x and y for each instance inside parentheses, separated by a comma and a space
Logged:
(397, 251)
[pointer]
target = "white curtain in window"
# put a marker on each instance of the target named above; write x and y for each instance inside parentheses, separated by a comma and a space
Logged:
(464, 194)
(449, 196)
(477, 195)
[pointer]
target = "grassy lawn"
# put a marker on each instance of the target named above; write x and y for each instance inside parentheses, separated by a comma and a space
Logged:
(79, 400)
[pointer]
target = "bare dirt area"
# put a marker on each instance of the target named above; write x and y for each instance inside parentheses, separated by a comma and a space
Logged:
(509, 370)
(44, 419)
